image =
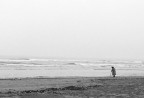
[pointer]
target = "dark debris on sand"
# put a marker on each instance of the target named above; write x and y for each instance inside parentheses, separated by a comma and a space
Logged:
(91, 88)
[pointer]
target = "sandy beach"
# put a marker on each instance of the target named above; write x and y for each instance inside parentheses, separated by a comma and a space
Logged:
(62, 78)
(73, 87)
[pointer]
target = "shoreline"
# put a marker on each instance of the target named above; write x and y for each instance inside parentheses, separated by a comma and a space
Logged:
(6, 74)
(61, 77)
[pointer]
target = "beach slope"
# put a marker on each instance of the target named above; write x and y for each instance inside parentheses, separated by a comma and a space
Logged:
(73, 87)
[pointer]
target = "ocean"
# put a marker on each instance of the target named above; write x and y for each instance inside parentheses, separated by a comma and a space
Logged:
(50, 67)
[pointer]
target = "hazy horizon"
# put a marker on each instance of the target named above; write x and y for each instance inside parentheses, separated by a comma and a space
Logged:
(72, 28)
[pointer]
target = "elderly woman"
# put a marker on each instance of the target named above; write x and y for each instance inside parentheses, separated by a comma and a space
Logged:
(113, 71)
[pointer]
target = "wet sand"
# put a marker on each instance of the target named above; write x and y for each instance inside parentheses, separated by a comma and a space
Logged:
(73, 87)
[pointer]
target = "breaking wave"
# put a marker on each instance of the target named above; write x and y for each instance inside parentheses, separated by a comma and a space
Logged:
(25, 63)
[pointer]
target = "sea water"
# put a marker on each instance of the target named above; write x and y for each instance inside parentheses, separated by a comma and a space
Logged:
(50, 67)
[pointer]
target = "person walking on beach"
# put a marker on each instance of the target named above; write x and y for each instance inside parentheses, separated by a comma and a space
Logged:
(113, 71)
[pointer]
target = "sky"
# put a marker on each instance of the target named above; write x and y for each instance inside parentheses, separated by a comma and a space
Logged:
(72, 28)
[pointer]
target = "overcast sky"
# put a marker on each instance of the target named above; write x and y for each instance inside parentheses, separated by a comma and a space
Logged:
(72, 28)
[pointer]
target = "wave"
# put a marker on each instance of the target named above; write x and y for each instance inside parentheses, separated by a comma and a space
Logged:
(71, 64)
(59, 63)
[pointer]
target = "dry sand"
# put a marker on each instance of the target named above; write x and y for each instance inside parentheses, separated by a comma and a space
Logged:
(73, 87)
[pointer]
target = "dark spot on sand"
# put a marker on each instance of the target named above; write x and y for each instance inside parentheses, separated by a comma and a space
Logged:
(73, 88)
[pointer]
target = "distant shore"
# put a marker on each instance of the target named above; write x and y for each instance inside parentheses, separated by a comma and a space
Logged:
(73, 87)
